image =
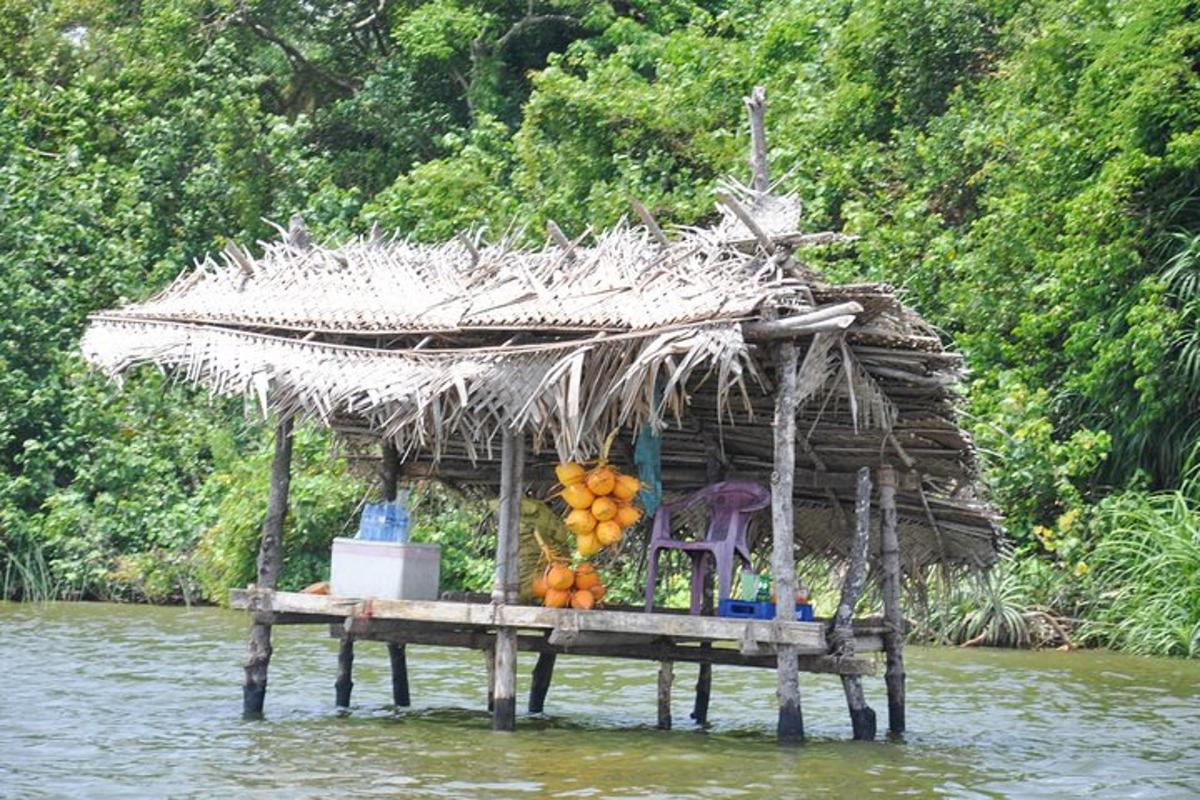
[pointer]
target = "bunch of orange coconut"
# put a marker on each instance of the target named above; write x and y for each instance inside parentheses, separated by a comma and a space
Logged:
(601, 503)
(557, 585)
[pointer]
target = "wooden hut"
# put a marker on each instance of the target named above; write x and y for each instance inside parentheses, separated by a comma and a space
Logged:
(482, 364)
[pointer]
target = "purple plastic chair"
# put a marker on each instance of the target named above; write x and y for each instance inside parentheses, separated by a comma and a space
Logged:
(730, 506)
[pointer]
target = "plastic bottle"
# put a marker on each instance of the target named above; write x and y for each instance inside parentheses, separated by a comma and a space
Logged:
(764, 589)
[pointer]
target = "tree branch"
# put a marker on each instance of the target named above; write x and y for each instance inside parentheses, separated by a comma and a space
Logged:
(295, 56)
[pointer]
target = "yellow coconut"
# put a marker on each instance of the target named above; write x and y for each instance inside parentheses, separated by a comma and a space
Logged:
(626, 487)
(608, 532)
(560, 576)
(540, 587)
(578, 496)
(586, 580)
(604, 508)
(588, 545)
(570, 473)
(627, 515)
(601, 481)
(580, 521)
(557, 598)
(582, 600)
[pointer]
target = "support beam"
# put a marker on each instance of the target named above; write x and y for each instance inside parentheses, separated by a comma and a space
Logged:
(893, 615)
(783, 560)
(862, 716)
(666, 676)
(345, 681)
(489, 658)
(512, 460)
(836, 316)
(270, 564)
(543, 672)
(398, 656)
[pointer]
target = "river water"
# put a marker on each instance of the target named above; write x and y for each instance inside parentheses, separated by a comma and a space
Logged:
(143, 702)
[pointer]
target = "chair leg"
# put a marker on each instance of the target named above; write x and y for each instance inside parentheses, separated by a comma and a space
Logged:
(651, 576)
(699, 579)
(724, 575)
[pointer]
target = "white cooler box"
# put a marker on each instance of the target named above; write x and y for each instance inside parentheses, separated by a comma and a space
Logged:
(389, 570)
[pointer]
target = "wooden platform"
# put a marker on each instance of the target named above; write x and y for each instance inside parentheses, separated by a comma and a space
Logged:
(606, 633)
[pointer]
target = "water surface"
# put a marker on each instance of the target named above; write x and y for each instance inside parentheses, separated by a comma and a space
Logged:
(132, 701)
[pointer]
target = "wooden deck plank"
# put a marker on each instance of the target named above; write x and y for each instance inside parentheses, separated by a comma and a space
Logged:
(807, 637)
(425, 634)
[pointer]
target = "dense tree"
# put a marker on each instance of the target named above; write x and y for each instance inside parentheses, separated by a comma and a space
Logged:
(1026, 172)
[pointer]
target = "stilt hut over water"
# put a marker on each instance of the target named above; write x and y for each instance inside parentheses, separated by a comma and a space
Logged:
(483, 364)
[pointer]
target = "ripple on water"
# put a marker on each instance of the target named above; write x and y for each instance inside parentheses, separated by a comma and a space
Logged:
(129, 701)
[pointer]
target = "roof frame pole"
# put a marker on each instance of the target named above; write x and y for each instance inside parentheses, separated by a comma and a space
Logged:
(389, 478)
(270, 564)
(714, 471)
(862, 716)
(504, 690)
(790, 727)
(893, 615)
(756, 107)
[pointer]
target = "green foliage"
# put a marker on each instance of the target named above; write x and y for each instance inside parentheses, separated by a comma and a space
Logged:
(1144, 573)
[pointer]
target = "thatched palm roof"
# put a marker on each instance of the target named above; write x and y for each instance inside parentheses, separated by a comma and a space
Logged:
(439, 347)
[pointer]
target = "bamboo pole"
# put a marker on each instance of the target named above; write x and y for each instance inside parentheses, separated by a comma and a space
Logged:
(389, 477)
(512, 458)
(862, 716)
(893, 614)
(783, 565)
(270, 564)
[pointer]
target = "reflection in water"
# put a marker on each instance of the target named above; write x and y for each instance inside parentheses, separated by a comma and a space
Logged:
(133, 701)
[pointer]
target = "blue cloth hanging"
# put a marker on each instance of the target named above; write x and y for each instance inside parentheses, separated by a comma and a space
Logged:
(647, 455)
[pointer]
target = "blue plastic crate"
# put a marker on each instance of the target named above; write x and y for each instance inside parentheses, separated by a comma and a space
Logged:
(745, 609)
(749, 609)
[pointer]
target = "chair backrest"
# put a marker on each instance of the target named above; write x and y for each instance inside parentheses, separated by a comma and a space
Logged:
(730, 504)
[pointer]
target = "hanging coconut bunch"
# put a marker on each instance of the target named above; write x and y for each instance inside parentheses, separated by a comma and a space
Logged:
(558, 585)
(600, 502)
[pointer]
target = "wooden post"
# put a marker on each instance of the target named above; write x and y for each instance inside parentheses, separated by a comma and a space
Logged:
(270, 564)
(783, 564)
(542, 673)
(512, 459)
(713, 472)
(345, 682)
(666, 676)
(862, 716)
(389, 478)
(389, 469)
(756, 106)
(893, 615)
(399, 658)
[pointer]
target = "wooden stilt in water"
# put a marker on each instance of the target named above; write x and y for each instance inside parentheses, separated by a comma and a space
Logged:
(783, 566)
(270, 564)
(666, 676)
(862, 716)
(893, 615)
(542, 673)
(512, 459)
(399, 658)
(703, 693)
(345, 681)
